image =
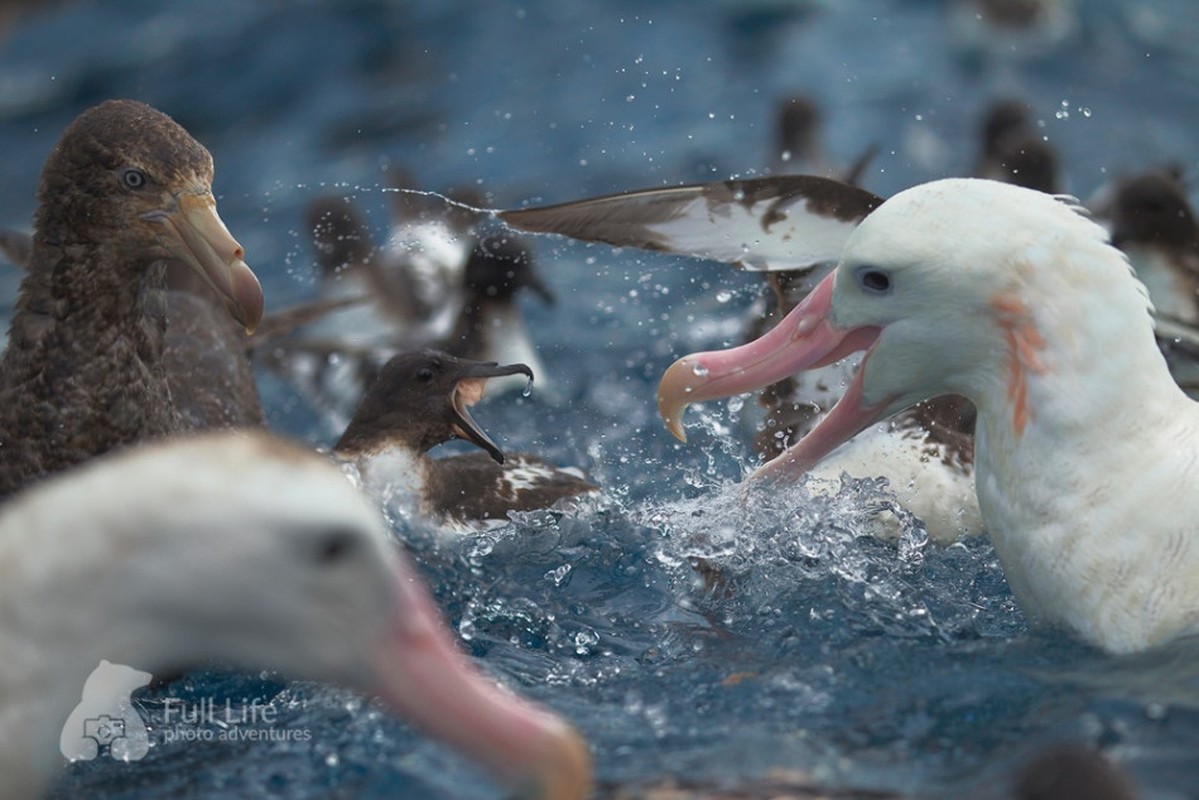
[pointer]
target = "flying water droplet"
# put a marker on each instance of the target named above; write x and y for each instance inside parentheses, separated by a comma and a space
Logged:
(699, 370)
(559, 575)
(585, 640)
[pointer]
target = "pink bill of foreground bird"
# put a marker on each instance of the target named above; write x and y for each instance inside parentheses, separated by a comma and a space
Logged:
(242, 550)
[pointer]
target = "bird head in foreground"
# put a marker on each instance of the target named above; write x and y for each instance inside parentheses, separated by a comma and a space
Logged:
(246, 551)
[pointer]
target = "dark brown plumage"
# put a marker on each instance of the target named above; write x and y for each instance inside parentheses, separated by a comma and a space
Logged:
(419, 401)
(345, 252)
(207, 352)
(1153, 222)
(1152, 209)
(125, 193)
(797, 134)
(209, 370)
(1013, 150)
(499, 267)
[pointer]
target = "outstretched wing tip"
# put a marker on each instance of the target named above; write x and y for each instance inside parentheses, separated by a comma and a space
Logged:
(787, 222)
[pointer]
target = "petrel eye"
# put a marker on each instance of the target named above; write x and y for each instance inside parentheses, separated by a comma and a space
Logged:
(873, 280)
(425, 374)
(133, 178)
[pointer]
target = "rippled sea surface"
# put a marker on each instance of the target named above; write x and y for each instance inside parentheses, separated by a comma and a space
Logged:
(686, 627)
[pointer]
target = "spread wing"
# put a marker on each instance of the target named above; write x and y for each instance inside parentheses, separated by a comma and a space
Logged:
(788, 222)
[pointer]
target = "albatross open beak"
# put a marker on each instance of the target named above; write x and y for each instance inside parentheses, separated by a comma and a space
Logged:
(805, 339)
(428, 681)
(468, 390)
(199, 238)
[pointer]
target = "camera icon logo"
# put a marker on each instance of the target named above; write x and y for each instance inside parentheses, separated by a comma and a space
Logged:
(104, 729)
(106, 719)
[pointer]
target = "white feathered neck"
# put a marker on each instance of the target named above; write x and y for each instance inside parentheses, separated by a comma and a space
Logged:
(1085, 447)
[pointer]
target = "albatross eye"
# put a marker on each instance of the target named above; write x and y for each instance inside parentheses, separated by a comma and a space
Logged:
(873, 280)
(335, 545)
(133, 178)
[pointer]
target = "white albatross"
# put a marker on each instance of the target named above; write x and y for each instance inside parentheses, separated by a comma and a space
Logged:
(1085, 447)
(794, 226)
(240, 550)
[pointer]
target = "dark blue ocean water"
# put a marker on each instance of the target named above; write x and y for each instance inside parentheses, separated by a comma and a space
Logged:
(900, 666)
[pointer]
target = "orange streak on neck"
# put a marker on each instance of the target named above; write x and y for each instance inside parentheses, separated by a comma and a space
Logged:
(1024, 342)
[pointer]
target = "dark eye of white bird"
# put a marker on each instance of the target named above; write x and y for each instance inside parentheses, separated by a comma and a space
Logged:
(334, 545)
(133, 178)
(873, 280)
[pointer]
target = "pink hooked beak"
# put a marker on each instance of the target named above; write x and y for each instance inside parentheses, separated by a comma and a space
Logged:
(426, 679)
(805, 339)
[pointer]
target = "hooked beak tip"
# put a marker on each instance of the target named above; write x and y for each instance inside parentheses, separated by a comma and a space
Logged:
(195, 233)
(247, 303)
(674, 423)
(678, 382)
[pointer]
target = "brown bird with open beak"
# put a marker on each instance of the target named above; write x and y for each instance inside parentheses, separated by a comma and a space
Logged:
(125, 193)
